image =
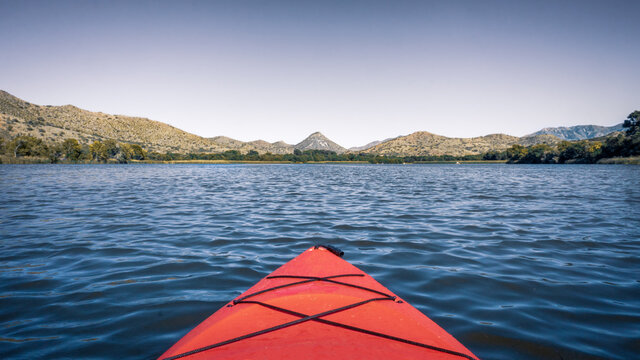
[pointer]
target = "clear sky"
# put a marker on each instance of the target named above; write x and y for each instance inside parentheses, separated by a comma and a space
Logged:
(357, 71)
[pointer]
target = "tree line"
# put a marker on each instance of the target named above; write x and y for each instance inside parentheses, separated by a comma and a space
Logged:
(70, 150)
(579, 152)
(583, 151)
(299, 156)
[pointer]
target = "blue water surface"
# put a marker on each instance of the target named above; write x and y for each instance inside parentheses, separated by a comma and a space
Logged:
(515, 261)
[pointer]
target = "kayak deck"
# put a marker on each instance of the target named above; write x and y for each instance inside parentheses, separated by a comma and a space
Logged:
(314, 307)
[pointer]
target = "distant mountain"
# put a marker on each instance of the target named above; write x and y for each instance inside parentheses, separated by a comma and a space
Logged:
(260, 146)
(579, 132)
(369, 145)
(317, 141)
(425, 143)
(56, 123)
(278, 147)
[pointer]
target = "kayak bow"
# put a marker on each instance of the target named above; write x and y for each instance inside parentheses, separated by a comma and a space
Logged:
(318, 306)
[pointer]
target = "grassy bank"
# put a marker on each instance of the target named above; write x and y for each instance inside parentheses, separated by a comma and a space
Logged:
(206, 162)
(6, 159)
(632, 160)
(463, 162)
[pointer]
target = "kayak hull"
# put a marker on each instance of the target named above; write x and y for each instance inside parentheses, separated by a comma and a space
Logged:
(267, 323)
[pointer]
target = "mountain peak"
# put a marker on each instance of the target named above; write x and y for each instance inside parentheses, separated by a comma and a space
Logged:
(369, 145)
(317, 141)
(578, 132)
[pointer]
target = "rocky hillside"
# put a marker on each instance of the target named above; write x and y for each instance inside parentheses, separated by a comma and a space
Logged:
(425, 143)
(56, 123)
(278, 147)
(539, 139)
(317, 141)
(579, 132)
(260, 146)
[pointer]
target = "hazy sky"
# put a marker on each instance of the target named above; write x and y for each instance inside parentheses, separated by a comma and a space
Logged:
(357, 71)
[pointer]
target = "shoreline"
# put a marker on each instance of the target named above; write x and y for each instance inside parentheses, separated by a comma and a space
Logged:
(27, 160)
(24, 160)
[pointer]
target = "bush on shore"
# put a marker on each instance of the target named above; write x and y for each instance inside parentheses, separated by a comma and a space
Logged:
(622, 145)
(29, 149)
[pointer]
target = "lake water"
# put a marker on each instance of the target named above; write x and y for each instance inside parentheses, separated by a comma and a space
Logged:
(515, 261)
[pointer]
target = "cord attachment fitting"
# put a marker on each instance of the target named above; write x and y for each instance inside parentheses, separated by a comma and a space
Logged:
(337, 252)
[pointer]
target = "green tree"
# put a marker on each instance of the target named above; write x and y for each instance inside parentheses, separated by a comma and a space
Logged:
(516, 152)
(233, 155)
(125, 153)
(613, 146)
(495, 155)
(25, 145)
(55, 153)
(632, 144)
(568, 151)
(593, 151)
(111, 148)
(138, 152)
(538, 154)
(98, 151)
(268, 157)
(72, 149)
(582, 151)
(252, 155)
(86, 153)
(632, 122)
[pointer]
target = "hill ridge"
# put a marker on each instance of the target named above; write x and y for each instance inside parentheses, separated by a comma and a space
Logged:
(317, 141)
(424, 143)
(579, 132)
(56, 123)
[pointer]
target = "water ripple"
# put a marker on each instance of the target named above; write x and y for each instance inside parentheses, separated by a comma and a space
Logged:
(518, 262)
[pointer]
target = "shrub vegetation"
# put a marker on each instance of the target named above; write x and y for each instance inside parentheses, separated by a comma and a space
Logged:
(624, 145)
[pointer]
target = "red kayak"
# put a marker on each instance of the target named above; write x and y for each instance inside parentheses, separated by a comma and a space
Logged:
(318, 306)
